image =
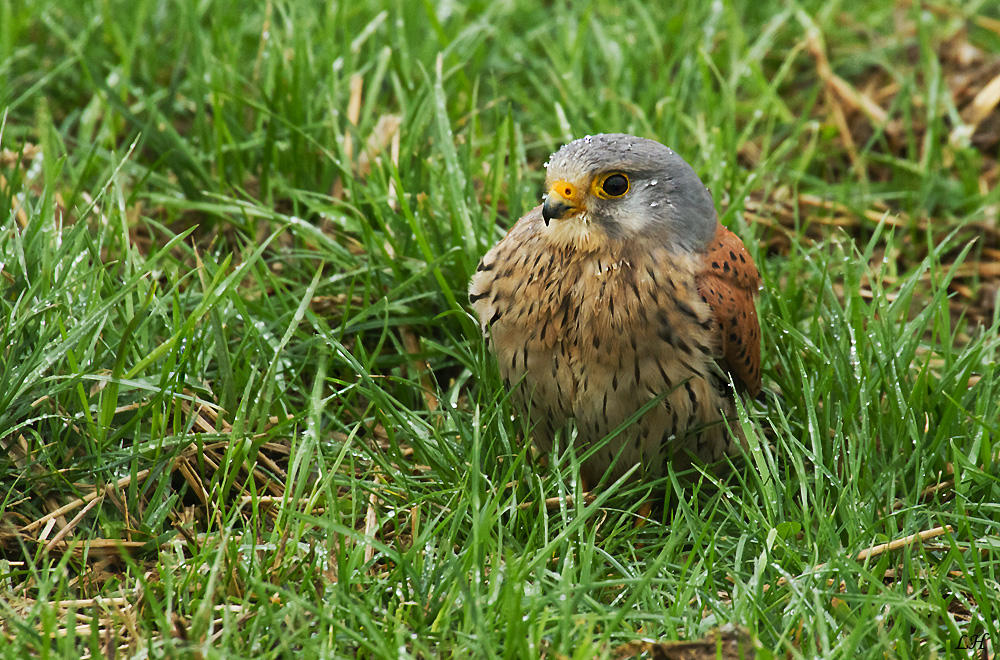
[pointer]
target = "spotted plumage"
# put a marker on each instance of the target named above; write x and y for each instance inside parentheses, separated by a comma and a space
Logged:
(620, 290)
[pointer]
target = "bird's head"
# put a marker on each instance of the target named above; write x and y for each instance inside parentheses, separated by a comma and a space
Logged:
(627, 188)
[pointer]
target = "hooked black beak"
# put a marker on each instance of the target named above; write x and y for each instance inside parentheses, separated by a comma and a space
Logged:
(554, 209)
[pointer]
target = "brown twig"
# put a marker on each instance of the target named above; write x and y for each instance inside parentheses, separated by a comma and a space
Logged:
(77, 503)
(554, 502)
(71, 525)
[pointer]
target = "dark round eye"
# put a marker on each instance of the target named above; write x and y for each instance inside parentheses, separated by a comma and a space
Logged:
(615, 185)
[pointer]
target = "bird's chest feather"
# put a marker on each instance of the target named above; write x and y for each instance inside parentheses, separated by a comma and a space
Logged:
(592, 332)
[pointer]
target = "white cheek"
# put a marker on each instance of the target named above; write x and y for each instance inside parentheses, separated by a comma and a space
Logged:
(632, 220)
(635, 213)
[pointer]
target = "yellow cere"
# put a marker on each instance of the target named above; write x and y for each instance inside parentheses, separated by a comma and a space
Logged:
(564, 188)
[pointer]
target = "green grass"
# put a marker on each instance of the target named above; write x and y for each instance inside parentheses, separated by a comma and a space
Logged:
(256, 351)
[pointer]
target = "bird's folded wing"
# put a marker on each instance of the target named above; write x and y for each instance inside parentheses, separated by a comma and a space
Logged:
(728, 282)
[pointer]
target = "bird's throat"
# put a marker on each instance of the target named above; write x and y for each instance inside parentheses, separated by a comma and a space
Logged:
(576, 233)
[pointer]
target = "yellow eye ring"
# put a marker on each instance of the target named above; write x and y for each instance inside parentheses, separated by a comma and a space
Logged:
(613, 184)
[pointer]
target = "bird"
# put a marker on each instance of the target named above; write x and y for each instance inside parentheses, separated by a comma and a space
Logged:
(622, 298)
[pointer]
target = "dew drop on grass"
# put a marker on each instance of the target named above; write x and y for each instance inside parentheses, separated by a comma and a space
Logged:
(36, 166)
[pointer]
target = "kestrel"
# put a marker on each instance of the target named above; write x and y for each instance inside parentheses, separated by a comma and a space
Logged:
(621, 289)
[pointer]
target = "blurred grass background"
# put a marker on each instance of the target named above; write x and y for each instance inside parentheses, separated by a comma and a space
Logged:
(244, 411)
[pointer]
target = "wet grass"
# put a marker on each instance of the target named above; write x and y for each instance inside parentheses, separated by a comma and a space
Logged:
(244, 409)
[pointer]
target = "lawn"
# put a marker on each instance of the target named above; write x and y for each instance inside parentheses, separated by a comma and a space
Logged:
(245, 411)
